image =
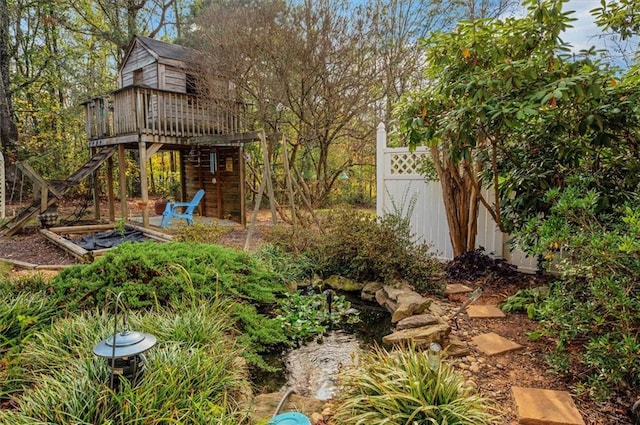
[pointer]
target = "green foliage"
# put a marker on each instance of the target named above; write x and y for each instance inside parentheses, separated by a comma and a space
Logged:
(594, 311)
(190, 379)
(154, 274)
(200, 232)
(303, 316)
(21, 315)
(526, 300)
(357, 245)
(508, 102)
(400, 388)
(291, 268)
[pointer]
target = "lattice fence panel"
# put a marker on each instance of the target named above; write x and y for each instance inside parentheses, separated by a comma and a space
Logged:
(406, 163)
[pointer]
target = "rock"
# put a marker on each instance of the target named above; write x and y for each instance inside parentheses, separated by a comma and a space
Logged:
(417, 321)
(265, 404)
(463, 366)
(436, 309)
(393, 292)
(383, 299)
(474, 368)
(420, 336)
(409, 303)
(369, 291)
(316, 418)
(340, 283)
(456, 348)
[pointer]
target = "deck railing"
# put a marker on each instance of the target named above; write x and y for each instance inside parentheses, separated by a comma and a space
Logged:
(141, 110)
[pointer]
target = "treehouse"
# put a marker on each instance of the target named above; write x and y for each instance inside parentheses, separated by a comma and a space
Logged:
(162, 105)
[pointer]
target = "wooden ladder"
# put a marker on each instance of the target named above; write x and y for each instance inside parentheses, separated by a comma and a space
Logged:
(57, 190)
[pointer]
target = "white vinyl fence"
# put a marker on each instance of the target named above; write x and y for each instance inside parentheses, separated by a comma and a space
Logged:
(399, 185)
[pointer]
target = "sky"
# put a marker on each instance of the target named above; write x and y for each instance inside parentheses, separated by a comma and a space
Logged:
(585, 33)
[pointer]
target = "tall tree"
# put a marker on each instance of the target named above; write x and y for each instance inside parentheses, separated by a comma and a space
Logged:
(490, 83)
(324, 72)
(8, 128)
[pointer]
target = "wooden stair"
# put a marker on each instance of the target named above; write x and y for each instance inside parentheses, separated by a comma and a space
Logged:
(58, 191)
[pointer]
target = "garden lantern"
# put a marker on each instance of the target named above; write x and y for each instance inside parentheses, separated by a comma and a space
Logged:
(124, 350)
(434, 356)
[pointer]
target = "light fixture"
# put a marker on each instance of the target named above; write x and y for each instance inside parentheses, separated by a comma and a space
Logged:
(434, 356)
(124, 350)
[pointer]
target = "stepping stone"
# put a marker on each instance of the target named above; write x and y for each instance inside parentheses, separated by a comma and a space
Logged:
(545, 407)
(484, 311)
(492, 343)
(457, 288)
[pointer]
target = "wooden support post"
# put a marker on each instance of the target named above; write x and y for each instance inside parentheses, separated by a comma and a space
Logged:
(96, 190)
(110, 194)
(122, 175)
(243, 206)
(44, 198)
(144, 190)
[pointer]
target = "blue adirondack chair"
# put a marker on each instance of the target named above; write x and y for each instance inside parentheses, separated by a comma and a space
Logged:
(181, 209)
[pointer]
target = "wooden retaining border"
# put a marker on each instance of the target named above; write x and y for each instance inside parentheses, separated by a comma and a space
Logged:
(86, 256)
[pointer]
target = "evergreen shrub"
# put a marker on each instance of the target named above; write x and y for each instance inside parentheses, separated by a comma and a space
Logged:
(593, 311)
(358, 245)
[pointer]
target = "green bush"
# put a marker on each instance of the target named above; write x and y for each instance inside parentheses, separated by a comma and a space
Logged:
(400, 388)
(153, 274)
(594, 310)
(358, 245)
(200, 232)
(191, 378)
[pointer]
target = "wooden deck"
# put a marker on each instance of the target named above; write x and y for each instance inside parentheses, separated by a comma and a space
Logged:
(138, 113)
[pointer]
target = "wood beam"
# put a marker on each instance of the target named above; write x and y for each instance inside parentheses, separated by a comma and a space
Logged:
(110, 193)
(122, 175)
(144, 190)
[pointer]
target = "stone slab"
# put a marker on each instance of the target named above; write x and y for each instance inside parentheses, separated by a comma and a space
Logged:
(491, 344)
(545, 407)
(457, 288)
(484, 311)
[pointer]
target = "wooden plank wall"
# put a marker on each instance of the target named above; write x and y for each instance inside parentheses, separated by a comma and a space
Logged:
(222, 190)
(139, 58)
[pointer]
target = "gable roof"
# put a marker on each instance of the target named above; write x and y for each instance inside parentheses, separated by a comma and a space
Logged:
(163, 51)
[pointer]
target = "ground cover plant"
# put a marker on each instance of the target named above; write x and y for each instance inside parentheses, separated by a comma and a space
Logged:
(157, 275)
(193, 374)
(403, 387)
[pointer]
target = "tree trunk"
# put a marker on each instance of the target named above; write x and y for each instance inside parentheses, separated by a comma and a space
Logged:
(460, 199)
(8, 128)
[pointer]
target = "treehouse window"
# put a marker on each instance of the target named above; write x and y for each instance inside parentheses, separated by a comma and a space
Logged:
(138, 77)
(192, 87)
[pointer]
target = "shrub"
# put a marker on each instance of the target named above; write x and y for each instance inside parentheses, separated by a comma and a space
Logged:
(163, 274)
(358, 245)
(400, 388)
(190, 379)
(594, 310)
(200, 232)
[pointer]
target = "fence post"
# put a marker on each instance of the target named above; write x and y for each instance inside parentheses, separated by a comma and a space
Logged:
(381, 144)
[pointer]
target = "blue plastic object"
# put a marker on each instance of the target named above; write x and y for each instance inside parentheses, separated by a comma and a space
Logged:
(290, 419)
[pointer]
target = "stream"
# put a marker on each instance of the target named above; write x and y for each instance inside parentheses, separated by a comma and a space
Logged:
(312, 368)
